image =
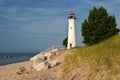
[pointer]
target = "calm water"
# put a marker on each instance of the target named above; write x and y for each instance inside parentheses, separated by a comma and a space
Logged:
(8, 58)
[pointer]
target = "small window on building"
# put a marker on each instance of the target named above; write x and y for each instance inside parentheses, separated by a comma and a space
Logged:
(70, 27)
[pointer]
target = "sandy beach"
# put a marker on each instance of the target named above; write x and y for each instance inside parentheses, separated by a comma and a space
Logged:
(24, 71)
(13, 72)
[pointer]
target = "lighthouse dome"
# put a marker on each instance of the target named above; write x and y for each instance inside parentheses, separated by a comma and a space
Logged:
(72, 15)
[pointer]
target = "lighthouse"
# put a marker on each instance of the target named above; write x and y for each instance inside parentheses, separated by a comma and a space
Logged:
(71, 31)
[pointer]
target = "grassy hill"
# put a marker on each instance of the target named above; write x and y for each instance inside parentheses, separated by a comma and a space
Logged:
(96, 62)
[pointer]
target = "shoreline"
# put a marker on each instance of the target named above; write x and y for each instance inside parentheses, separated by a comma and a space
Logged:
(25, 71)
(6, 59)
(16, 63)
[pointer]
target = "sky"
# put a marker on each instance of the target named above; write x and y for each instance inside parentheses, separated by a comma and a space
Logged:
(35, 25)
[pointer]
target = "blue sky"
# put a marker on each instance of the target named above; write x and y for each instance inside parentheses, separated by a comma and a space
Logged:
(34, 25)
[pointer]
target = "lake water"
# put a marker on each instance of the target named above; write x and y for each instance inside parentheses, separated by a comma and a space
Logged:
(8, 58)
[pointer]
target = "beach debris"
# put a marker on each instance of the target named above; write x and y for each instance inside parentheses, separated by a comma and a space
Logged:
(22, 70)
(46, 55)
(38, 65)
(53, 63)
(43, 59)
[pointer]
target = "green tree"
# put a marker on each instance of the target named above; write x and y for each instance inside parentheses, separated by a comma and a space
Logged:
(65, 41)
(99, 26)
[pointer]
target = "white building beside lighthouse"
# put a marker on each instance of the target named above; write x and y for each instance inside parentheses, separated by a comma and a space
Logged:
(71, 31)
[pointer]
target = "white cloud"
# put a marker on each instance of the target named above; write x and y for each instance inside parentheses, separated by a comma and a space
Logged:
(48, 26)
(35, 20)
(41, 18)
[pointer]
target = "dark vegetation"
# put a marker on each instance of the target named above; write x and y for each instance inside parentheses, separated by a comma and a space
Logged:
(65, 41)
(99, 26)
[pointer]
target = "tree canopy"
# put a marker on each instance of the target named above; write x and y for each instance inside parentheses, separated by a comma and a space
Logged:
(65, 41)
(99, 26)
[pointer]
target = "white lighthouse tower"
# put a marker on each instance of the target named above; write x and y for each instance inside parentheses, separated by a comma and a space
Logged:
(71, 31)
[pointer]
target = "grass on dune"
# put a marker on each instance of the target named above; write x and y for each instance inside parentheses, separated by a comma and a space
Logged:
(106, 53)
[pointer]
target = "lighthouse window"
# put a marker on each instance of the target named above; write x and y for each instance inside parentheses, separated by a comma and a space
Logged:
(70, 27)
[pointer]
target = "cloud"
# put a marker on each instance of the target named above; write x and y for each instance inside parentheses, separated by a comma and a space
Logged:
(34, 20)
(49, 26)
(43, 19)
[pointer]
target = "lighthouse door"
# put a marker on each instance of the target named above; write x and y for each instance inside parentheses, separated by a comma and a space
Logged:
(70, 45)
